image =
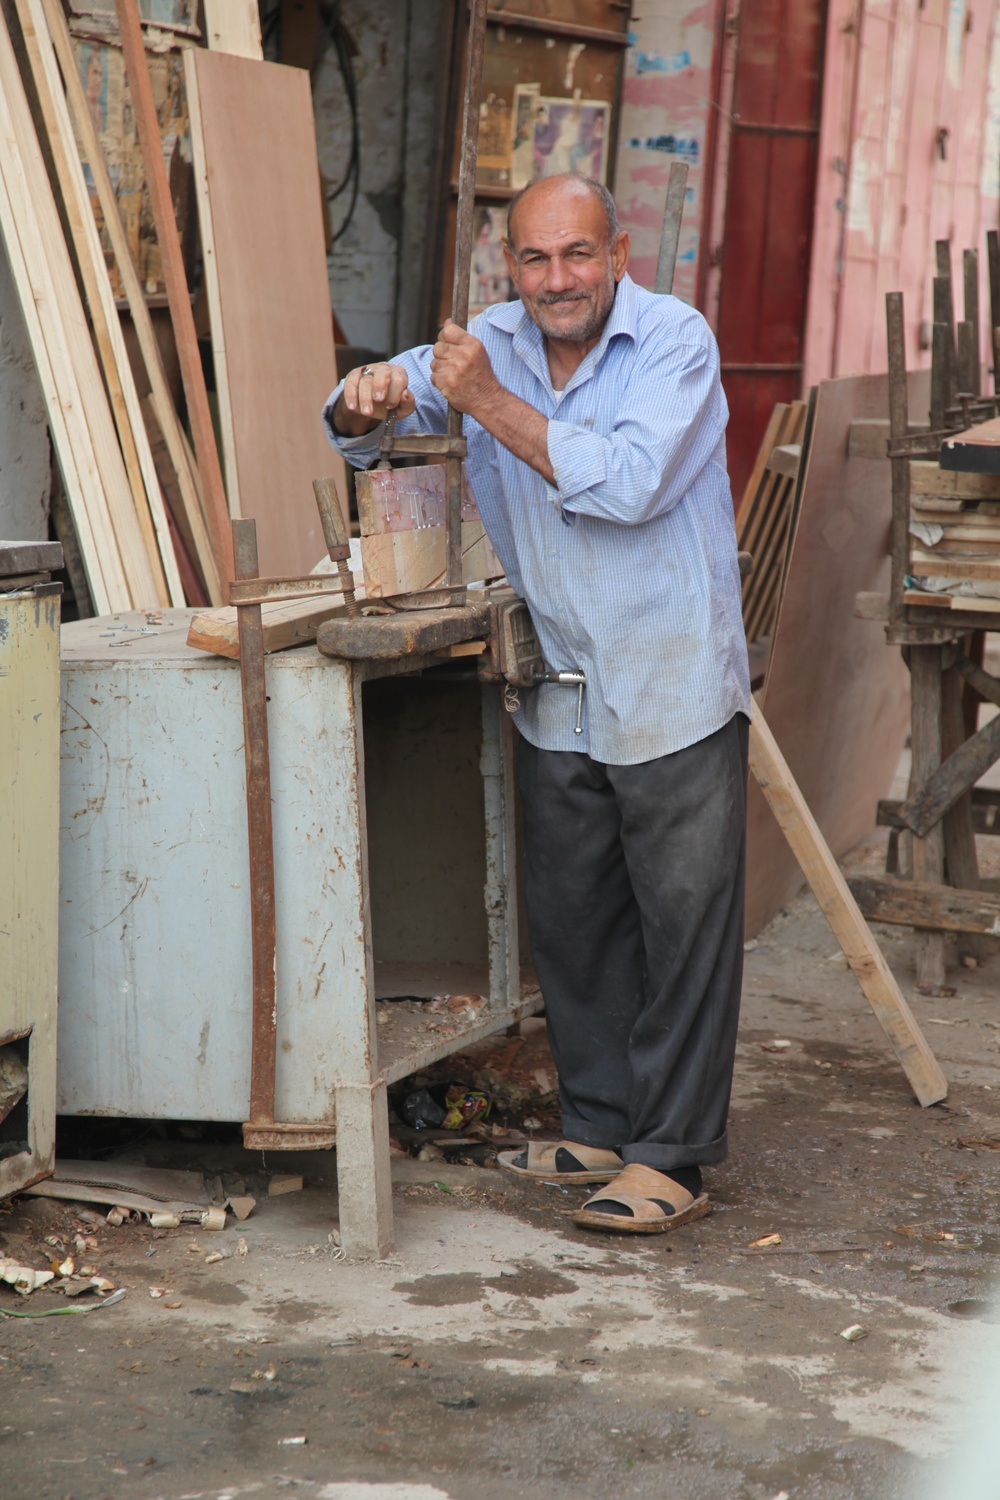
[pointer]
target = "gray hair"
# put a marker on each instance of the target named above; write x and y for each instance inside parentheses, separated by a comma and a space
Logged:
(595, 189)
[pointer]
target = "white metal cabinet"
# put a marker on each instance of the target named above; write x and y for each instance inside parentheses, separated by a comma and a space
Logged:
(154, 964)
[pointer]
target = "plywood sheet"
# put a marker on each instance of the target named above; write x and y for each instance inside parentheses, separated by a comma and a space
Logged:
(265, 262)
(836, 696)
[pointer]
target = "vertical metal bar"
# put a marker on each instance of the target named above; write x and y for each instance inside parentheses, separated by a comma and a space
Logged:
(970, 278)
(993, 262)
(968, 359)
(463, 261)
(258, 773)
(939, 375)
(496, 762)
(944, 315)
(670, 234)
(898, 428)
(337, 538)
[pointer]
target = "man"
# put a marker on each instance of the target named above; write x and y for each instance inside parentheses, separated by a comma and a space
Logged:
(595, 423)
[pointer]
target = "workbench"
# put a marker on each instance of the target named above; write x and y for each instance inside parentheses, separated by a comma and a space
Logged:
(394, 835)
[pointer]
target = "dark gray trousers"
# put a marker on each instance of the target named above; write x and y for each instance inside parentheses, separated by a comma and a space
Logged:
(634, 885)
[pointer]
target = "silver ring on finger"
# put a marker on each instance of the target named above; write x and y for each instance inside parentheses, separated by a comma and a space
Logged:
(368, 370)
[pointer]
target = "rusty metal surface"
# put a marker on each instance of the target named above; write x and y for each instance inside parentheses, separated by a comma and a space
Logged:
(337, 538)
(261, 841)
(278, 1137)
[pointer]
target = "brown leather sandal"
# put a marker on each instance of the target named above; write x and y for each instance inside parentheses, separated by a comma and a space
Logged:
(641, 1201)
(561, 1161)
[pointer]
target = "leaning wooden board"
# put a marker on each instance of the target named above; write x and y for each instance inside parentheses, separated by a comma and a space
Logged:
(265, 268)
(836, 699)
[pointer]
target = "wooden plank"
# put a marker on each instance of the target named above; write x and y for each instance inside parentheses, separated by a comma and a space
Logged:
(985, 812)
(234, 26)
(943, 564)
(408, 633)
(265, 269)
(178, 296)
(284, 625)
(868, 437)
(912, 903)
(753, 484)
(930, 479)
(834, 696)
(56, 327)
(403, 562)
(841, 911)
(169, 423)
(937, 791)
(143, 479)
(961, 602)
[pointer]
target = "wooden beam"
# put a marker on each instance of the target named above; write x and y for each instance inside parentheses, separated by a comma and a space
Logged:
(143, 479)
(913, 903)
(234, 26)
(841, 910)
(168, 421)
(284, 625)
(923, 809)
(58, 333)
(985, 812)
(178, 295)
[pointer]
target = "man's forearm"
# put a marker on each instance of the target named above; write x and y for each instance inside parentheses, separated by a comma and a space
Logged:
(519, 426)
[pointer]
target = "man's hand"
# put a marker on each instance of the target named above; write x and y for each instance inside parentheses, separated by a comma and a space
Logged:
(462, 372)
(370, 393)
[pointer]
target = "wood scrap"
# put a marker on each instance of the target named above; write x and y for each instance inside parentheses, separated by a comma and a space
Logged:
(141, 469)
(58, 38)
(403, 562)
(84, 438)
(940, 908)
(234, 26)
(199, 415)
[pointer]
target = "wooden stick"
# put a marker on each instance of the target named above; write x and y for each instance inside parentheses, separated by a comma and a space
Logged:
(56, 327)
(914, 903)
(841, 911)
(671, 232)
(173, 433)
(178, 296)
(941, 786)
(136, 450)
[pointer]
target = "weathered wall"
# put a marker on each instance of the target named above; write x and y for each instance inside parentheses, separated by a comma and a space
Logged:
(376, 269)
(24, 439)
(666, 102)
(909, 154)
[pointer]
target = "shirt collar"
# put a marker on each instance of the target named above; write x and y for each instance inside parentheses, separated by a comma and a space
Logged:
(623, 320)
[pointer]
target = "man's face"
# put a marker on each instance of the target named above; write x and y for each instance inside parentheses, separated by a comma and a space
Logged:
(561, 263)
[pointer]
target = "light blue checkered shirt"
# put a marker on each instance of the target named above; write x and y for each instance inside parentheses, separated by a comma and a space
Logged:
(628, 564)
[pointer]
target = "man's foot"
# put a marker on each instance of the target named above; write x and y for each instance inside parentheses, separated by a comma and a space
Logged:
(561, 1161)
(641, 1201)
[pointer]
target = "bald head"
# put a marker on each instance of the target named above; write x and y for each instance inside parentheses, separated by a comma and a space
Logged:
(557, 194)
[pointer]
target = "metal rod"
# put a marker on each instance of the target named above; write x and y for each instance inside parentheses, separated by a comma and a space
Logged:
(970, 278)
(993, 262)
(670, 234)
(463, 261)
(261, 841)
(898, 428)
(943, 351)
(337, 538)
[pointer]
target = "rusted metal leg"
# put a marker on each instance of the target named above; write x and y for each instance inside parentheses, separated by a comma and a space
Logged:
(928, 853)
(497, 768)
(364, 1180)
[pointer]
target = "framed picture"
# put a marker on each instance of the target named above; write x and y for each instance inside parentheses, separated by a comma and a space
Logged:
(552, 135)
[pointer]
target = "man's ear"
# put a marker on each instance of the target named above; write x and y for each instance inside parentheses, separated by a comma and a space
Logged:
(619, 255)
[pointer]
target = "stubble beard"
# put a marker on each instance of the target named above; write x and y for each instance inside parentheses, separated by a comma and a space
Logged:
(597, 305)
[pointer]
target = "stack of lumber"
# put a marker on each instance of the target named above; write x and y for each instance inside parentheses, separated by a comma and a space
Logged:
(133, 552)
(151, 517)
(403, 532)
(954, 560)
(765, 519)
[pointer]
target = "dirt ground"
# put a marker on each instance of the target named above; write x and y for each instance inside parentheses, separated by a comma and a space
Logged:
(501, 1352)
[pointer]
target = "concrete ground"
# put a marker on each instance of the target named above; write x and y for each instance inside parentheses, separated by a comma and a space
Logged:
(501, 1352)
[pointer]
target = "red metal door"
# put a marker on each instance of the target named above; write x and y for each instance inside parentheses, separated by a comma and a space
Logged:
(769, 195)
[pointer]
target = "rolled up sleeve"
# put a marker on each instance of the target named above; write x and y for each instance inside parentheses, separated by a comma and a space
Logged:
(671, 421)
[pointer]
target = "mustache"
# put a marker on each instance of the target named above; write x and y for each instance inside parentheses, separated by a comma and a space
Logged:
(547, 298)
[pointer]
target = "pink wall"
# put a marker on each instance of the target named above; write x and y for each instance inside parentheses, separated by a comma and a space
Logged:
(911, 122)
(666, 102)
